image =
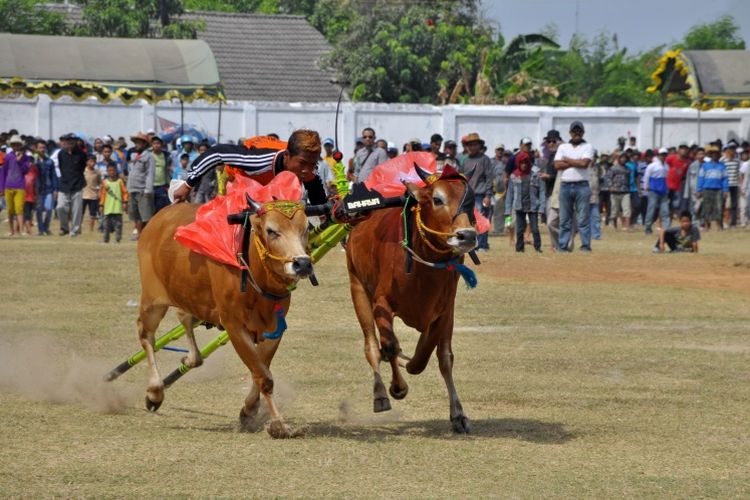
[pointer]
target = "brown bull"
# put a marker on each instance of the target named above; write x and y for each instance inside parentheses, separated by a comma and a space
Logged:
(381, 287)
(203, 289)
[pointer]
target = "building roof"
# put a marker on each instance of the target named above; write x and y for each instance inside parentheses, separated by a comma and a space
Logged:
(260, 57)
(268, 57)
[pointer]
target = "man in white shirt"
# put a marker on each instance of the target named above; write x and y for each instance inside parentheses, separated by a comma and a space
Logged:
(655, 182)
(572, 162)
(744, 185)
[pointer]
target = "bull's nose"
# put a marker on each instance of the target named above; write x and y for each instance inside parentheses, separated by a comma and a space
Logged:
(302, 266)
(466, 236)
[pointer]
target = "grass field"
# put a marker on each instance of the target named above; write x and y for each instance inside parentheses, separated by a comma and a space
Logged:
(615, 374)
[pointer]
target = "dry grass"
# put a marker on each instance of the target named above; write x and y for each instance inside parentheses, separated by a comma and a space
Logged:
(619, 373)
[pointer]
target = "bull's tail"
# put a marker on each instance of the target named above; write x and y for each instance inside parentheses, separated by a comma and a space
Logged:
(425, 347)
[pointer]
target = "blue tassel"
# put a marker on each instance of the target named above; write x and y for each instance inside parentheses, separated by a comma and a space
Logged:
(467, 274)
(280, 326)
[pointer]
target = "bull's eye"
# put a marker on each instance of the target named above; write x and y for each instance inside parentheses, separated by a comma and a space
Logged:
(437, 201)
(271, 233)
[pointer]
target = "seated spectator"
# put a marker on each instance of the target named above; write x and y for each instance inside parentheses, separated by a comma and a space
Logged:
(680, 239)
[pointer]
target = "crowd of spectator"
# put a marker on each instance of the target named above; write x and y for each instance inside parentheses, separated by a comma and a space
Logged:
(566, 184)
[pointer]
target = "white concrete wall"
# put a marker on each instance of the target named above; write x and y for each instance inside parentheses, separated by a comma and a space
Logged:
(395, 122)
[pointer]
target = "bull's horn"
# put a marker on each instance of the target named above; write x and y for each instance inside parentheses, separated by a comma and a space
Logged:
(252, 203)
(423, 174)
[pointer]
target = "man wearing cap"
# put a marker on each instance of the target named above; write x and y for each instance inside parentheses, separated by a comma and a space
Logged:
(572, 162)
(655, 182)
(729, 159)
(548, 174)
(72, 163)
(328, 145)
(142, 168)
(368, 157)
(713, 187)
(14, 167)
(477, 168)
(678, 164)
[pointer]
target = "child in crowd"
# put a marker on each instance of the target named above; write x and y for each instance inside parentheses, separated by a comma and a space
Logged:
(526, 198)
(91, 191)
(180, 172)
(31, 196)
(113, 200)
(680, 239)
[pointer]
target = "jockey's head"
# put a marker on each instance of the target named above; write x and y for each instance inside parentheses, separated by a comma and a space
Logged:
(302, 154)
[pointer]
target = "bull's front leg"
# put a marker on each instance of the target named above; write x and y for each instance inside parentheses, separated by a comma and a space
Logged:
(459, 420)
(244, 343)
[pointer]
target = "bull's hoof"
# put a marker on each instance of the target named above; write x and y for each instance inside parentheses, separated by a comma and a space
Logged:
(461, 424)
(381, 404)
(398, 394)
(279, 430)
(250, 423)
(152, 405)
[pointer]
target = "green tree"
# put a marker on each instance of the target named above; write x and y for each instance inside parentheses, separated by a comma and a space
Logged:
(136, 19)
(722, 34)
(28, 17)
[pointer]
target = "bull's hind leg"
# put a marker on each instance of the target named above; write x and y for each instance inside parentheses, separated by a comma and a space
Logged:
(148, 321)
(364, 311)
(194, 358)
(459, 420)
(389, 347)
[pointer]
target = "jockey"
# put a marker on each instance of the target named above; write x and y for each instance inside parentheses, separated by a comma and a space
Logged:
(261, 158)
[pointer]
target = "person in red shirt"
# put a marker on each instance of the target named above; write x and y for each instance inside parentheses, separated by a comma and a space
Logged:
(29, 198)
(678, 164)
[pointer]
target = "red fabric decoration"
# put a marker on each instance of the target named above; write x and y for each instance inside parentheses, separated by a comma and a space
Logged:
(211, 235)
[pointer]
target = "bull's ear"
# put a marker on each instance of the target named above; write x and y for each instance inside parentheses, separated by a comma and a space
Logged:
(418, 193)
(252, 203)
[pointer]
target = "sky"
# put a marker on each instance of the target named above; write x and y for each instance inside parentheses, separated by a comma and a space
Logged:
(639, 24)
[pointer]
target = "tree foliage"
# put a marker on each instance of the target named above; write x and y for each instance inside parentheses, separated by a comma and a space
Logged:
(136, 19)
(722, 34)
(28, 17)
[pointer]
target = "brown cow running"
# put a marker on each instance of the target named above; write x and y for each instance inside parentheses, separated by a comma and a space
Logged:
(203, 289)
(424, 299)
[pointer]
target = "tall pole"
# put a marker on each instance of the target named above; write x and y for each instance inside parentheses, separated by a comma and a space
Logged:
(182, 117)
(700, 104)
(218, 133)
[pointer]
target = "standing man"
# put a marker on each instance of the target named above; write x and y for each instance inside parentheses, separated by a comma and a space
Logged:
(548, 174)
(47, 186)
(72, 163)
(733, 173)
(450, 151)
(678, 164)
(713, 188)
(142, 168)
(162, 163)
(655, 182)
(368, 157)
(572, 161)
(14, 167)
(477, 168)
(498, 174)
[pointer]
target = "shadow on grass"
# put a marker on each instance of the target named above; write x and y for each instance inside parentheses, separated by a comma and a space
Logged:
(533, 431)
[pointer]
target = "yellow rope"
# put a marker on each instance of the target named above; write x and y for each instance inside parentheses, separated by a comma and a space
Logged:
(422, 229)
(264, 253)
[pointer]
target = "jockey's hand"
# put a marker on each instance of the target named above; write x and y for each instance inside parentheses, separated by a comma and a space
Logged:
(182, 193)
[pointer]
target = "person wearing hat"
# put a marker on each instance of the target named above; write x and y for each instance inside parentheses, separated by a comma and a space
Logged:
(392, 150)
(712, 187)
(573, 161)
(72, 163)
(328, 145)
(12, 185)
(730, 160)
(368, 157)
(477, 168)
(524, 145)
(185, 145)
(655, 182)
(548, 174)
(142, 169)
(162, 166)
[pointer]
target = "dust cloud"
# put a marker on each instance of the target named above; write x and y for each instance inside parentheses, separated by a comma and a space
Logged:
(349, 416)
(41, 368)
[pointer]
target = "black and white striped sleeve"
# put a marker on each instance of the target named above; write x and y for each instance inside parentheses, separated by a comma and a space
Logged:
(253, 161)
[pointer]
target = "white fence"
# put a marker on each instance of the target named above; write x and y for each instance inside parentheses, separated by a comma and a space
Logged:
(394, 122)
